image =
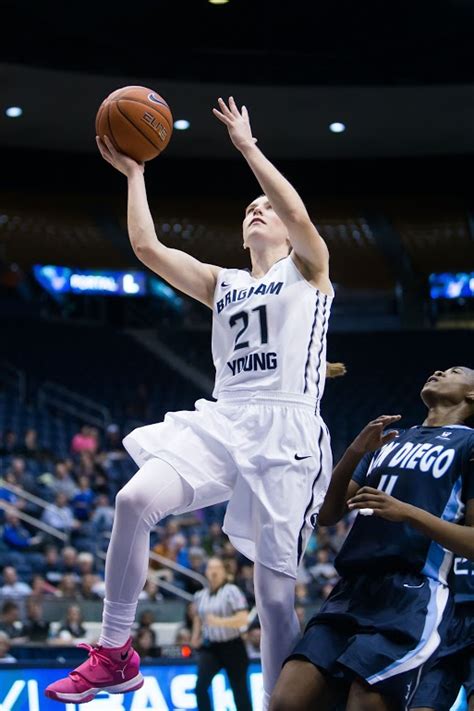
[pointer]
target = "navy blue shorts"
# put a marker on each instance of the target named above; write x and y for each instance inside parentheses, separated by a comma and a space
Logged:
(381, 629)
(454, 665)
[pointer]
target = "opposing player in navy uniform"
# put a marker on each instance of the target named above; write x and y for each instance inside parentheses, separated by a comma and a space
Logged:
(251, 447)
(384, 618)
(454, 666)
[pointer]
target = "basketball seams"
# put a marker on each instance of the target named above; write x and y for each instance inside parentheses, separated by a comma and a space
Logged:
(137, 128)
(148, 106)
(109, 123)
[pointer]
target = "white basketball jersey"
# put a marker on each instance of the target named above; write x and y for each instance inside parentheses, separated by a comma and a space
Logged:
(270, 333)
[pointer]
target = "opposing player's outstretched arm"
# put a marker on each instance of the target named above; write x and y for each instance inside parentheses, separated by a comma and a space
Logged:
(342, 487)
(179, 269)
(308, 246)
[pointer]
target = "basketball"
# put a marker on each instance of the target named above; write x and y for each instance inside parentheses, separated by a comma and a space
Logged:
(137, 120)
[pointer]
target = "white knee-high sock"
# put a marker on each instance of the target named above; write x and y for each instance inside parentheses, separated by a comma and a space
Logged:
(154, 492)
(275, 600)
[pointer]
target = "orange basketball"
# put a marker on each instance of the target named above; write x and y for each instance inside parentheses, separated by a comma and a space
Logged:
(137, 120)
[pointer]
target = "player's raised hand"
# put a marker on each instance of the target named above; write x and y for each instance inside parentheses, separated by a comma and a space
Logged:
(380, 503)
(118, 160)
(372, 436)
(237, 122)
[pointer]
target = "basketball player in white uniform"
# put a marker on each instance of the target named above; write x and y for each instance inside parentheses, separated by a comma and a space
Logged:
(262, 446)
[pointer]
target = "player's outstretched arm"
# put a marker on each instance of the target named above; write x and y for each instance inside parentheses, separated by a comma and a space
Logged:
(308, 245)
(455, 537)
(342, 486)
(179, 269)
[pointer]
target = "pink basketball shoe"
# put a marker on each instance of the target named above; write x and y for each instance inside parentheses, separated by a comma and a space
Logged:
(114, 670)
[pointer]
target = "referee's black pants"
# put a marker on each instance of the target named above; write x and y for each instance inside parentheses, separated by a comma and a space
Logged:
(230, 656)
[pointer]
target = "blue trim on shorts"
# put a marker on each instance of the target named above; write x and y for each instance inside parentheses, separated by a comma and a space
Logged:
(433, 619)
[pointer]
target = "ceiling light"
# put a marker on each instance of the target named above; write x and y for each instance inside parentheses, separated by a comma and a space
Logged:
(218, 2)
(14, 111)
(337, 127)
(182, 124)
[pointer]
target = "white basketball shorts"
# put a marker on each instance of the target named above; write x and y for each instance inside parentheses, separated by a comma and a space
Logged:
(266, 453)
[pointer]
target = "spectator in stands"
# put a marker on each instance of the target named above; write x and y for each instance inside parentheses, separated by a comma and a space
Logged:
(22, 477)
(5, 656)
(7, 495)
(100, 483)
(85, 563)
(16, 536)
(198, 565)
(41, 588)
(179, 549)
(59, 515)
(36, 628)
(113, 440)
(30, 448)
(82, 501)
(244, 581)
(324, 571)
(103, 516)
(12, 587)
(214, 540)
(68, 587)
(189, 616)
(87, 465)
(144, 644)
(87, 587)
(146, 620)
(72, 628)
(10, 622)
(84, 441)
(69, 564)
(63, 482)
(52, 567)
(9, 445)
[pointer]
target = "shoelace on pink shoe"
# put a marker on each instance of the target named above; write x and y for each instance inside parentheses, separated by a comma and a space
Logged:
(95, 656)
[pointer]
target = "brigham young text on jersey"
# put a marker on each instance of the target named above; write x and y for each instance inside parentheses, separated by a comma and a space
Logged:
(255, 320)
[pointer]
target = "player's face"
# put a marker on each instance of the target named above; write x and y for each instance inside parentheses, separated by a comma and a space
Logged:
(262, 225)
(452, 386)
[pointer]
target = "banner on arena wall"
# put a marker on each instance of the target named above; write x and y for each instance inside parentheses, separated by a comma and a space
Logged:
(167, 687)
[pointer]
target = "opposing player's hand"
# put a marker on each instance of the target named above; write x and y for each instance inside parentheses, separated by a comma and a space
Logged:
(372, 437)
(382, 504)
(119, 161)
(237, 122)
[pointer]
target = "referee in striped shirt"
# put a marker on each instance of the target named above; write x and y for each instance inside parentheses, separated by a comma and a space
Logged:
(221, 614)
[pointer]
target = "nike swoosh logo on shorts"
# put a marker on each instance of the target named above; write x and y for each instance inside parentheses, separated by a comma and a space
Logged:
(299, 458)
(123, 656)
(405, 585)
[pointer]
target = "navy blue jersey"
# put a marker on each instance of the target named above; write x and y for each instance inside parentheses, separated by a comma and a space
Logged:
(428, 467)
(462, 580)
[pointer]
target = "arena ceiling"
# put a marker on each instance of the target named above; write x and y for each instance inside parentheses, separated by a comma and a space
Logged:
(399, 75)
(341, 42)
